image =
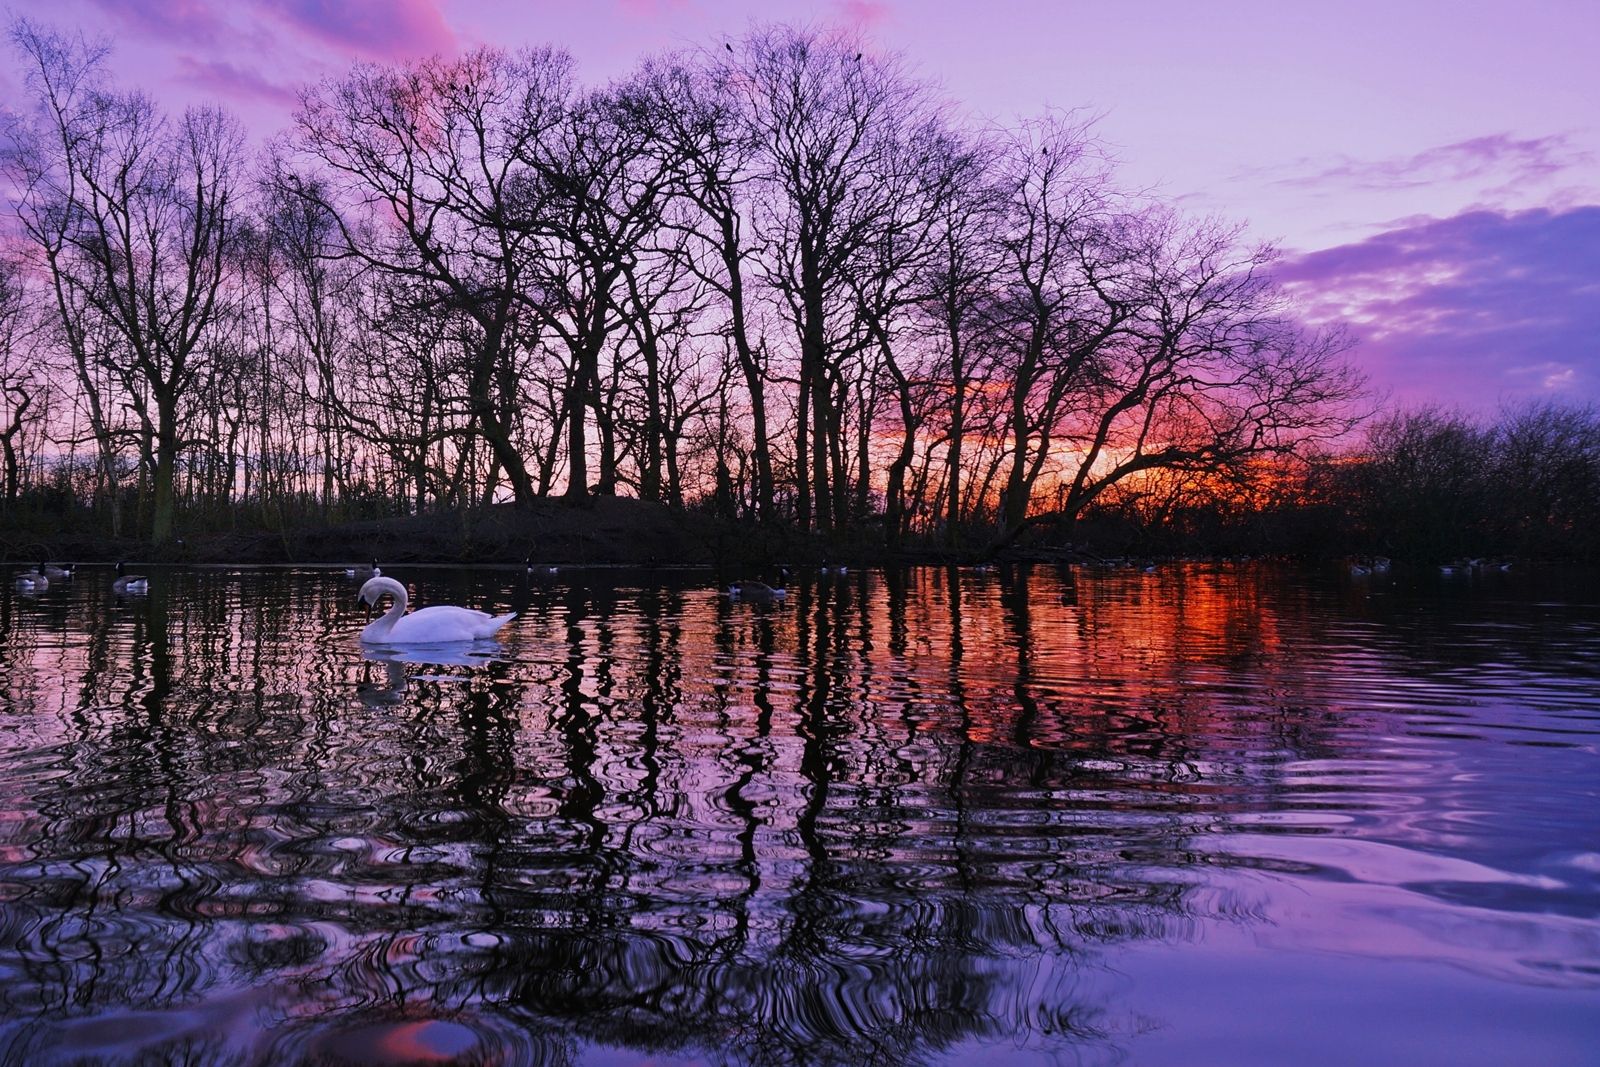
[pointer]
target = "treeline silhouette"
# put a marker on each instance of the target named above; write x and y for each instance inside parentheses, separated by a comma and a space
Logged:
(780, 277)
(1429, 485)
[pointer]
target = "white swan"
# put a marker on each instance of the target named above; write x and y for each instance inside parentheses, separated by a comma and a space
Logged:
(438, 625)
(755, 592)
(130, 583)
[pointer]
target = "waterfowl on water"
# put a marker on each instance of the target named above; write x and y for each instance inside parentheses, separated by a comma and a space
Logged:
(540, 570)
(52, 571)
(129, 583)
(33, 581)
(363, 571)
(755, 592)
(438, 625)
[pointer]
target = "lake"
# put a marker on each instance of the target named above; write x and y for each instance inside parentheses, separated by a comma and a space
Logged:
(1217, 813)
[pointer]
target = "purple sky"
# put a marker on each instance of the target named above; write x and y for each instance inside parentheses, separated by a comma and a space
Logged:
(1431, 167)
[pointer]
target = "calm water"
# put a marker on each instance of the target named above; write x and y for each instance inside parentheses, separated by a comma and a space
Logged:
(1208, 815)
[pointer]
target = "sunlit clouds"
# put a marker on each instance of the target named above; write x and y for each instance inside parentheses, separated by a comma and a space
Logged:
(1481, 306)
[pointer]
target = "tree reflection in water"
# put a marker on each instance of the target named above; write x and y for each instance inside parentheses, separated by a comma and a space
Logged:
(899, 814)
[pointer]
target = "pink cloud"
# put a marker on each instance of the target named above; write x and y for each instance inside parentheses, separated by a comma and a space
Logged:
(377, 29)
(863, 14)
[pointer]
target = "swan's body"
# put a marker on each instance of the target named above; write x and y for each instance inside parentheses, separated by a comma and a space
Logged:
(757, 592)
(438, 625)
(130, 583)
(363, 571)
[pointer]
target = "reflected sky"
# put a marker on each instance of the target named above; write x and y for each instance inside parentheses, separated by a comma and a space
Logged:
(917, 816)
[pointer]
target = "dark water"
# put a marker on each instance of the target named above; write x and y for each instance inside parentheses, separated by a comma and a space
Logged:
(1209, 815)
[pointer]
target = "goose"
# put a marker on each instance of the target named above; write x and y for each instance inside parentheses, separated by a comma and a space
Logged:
(835, 568)
(541, 570)
(33, 581)
(755, 592)
(363, 571)
(438, 625)
(52, 571)
(129, 583)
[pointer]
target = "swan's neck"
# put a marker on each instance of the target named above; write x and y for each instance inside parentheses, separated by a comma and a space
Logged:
(382, 626)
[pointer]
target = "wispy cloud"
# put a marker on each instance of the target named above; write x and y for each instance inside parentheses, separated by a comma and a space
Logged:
(377, 29)
(182, 21)
(233, 82)
(654, 8)
(1500, 159)
(372, 29)
(1484, 303)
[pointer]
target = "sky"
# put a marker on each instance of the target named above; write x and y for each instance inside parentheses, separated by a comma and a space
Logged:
(1429, 168)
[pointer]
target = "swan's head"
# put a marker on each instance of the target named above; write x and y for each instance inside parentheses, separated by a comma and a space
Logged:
(374, 589)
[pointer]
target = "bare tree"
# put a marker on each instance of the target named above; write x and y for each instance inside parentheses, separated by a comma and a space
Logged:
(135, 214)
(424, 170)
(698, 115)
(829, 116)
(602, 185)
(24, 387)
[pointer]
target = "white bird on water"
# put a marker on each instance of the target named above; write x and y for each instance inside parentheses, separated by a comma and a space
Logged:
(130, 583)
(755, 592)
(438, 625)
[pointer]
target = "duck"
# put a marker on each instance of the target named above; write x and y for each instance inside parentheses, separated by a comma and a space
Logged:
(441, 624)
(129, 583)
(33, 581)
(755, 592)
(364, 571)
(52, 571)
